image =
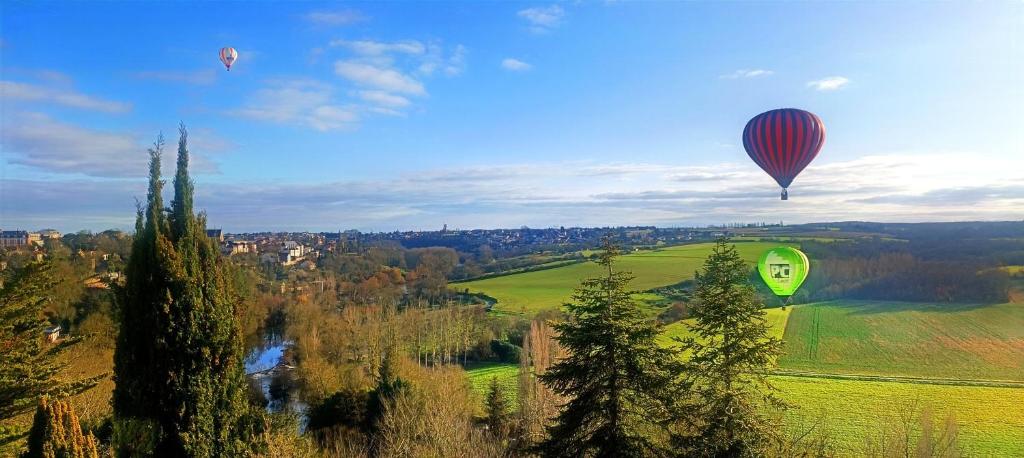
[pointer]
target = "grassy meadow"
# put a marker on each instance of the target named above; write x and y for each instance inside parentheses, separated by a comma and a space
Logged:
(480, 376)
(531, 292)
(910, 339)
(944, 343)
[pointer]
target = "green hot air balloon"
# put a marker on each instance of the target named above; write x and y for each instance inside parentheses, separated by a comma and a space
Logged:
(783, 270)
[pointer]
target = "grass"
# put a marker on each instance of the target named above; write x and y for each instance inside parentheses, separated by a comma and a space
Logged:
(480, 375)
(908, 339)
(532, 292)
(776, 317)
(990, 420)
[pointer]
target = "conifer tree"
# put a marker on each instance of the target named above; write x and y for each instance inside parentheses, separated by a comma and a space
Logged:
(28, 365)
(730, 354)
(497, 407)
(178, 363)
(615, 376)
(56, 433)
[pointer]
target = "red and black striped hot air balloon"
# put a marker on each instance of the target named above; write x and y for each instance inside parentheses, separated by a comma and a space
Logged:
(782, 142)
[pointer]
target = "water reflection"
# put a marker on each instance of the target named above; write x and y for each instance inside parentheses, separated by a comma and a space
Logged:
(269, 367)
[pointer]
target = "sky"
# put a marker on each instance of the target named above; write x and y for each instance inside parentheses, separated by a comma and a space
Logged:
(410, 115)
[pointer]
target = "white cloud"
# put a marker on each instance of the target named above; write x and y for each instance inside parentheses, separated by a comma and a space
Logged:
(304, 102)
(15, 91)
(386, 99)
(197, 77)
(830, 83)
(378, 48)
(892, 187)
(747, 73)
(335, 18)
(40, 142)
(543, 18)
(378, 77)
(515, 65)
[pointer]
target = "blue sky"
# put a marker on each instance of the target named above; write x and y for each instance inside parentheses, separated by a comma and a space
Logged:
(383, 116)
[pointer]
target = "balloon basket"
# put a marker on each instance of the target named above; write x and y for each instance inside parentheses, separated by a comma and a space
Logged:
(785, 194)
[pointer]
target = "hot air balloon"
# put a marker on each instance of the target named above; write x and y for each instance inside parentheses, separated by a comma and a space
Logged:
(782, 142)
(228, 56)
(783, 269)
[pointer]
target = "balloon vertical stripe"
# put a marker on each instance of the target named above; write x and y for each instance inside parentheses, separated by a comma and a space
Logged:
(783, 142)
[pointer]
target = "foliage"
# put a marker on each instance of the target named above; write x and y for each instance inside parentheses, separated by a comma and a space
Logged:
(922, 269)
(28, 365)
(497, 409)
(56, 433)
(178, 362)
(433, 416)
(615, 377)
(346, 408)
(505, 351)
(730, 351)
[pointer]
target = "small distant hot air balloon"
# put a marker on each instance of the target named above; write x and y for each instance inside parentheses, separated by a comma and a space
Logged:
(228, 56)
(782, 142)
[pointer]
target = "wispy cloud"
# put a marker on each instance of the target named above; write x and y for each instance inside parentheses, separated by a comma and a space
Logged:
(302, 102)
(747, 73)
(35, 140)
(378, 48)
(383, 98)
(28, 92)
(197, 77)
(378, 77)
(894, 187)
(829, 83)
(543, 18)
(515, 65)
(335, 18)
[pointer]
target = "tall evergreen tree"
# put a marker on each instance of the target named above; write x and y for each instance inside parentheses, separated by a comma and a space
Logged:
(56, 433)
(497, 407)
(29, 365)
(178, 363)
(615, 375)
(730, 354)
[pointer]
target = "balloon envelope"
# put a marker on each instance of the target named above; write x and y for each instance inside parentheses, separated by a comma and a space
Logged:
(228, 56)
(782, 142)
(783, 269)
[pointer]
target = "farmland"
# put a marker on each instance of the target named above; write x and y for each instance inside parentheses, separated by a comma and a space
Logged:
(531, 292)
(923, 340)
(991, 419)
(941, 345)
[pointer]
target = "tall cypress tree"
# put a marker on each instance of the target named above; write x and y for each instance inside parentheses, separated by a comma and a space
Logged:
(178, 364)
(731, 353)
(616, 376)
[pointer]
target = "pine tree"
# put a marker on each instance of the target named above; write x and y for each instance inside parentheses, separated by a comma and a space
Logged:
(56, 433)
(731, 353)
(28, 365)
(615, 375)
(497, 407)
(178, 363)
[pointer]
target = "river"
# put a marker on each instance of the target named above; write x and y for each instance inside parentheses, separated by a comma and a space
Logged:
(266, 364)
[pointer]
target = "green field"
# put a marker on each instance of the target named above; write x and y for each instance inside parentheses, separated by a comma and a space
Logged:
(911, 339)
(480, 376)
(990, 420)
(532, 292)
(950, 347)
(776, 317)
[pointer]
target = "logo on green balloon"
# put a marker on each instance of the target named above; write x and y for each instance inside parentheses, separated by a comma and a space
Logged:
(783, 269)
